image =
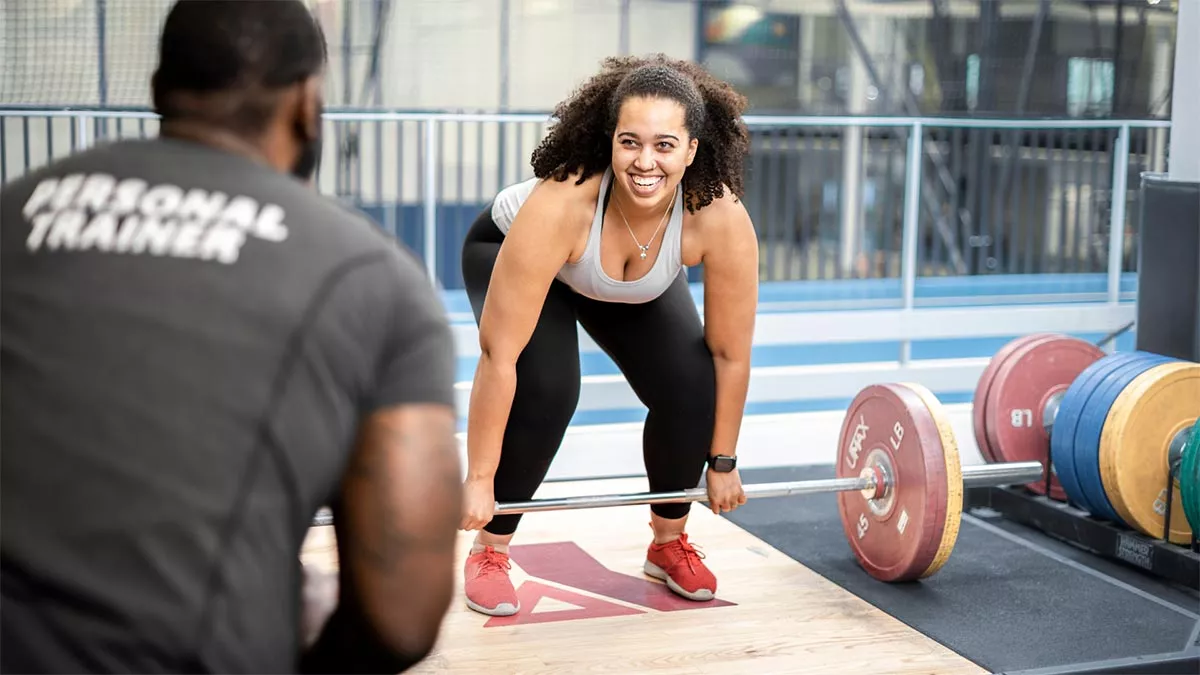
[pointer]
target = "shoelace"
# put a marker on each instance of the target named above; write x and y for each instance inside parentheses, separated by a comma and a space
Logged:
(690, 553)
(493, 562)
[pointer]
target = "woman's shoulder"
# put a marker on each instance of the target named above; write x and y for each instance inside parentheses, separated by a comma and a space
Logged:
(550, 206)
(569, 195)
(721, 230)
(570, 189)
(551, 192)
(719, 210)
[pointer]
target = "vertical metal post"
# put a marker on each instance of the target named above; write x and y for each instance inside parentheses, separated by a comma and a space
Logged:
(1116, 223)
(850, 230)
(101, 50)
(82, 136)
(431, 166)
(912, 214)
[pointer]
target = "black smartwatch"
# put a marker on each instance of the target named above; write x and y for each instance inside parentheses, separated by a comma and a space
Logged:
(722, 463)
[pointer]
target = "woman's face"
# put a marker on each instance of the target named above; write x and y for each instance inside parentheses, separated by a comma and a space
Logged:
(651, 150)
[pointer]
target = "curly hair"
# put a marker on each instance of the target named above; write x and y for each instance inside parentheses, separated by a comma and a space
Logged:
(581, 139)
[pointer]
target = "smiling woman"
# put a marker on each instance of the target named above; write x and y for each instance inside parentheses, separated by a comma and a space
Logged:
(662, 142)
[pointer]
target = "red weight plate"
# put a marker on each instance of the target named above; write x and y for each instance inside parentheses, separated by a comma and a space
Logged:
(895, 537)
(1024, 383)
(983, 389)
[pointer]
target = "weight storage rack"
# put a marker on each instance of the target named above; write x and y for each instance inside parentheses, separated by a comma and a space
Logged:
(1177, 563)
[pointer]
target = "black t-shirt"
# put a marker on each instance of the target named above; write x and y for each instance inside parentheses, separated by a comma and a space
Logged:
(188, 339)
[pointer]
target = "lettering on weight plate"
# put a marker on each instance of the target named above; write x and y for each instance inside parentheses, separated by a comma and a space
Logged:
(863, 524)
(1022, 418)
(856, 441)
(1160, 503)
(897, 435)
(96, 212)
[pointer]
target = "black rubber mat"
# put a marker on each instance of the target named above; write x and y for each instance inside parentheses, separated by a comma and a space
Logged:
(1008, 599)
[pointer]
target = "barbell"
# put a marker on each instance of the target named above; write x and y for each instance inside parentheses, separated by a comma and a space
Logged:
(899, 482)
(972, 476)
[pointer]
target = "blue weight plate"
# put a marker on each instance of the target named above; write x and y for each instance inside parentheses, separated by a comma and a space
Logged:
(1091, 424)
(1062, 436)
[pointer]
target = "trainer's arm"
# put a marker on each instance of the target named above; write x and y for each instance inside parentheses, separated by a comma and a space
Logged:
(730, 304)
(397, 513)
(537, 245)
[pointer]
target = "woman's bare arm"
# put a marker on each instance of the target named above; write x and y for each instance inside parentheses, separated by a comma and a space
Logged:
(537, 245)
(730, 258)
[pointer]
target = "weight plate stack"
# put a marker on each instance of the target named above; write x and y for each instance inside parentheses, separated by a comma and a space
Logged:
(1156, 408)
(1086, 447)
(1062, 436)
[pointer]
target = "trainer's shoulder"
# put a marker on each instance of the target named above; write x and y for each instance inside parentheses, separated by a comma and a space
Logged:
(350, 235)
(75, 162)
(333, 217)
(352, 232)
(64, 170)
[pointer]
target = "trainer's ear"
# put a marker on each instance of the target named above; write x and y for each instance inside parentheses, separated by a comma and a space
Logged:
(310, 108)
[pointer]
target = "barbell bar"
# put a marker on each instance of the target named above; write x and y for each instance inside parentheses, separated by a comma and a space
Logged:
(973, 476)
(981, 475)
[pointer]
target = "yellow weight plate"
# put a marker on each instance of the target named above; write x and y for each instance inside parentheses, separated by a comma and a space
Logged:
(1134, 445)
(954, 479)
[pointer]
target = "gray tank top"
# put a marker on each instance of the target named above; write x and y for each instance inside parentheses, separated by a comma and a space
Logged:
(586, 276)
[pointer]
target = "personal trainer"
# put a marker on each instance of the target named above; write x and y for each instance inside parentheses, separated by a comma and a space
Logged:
(199, 351)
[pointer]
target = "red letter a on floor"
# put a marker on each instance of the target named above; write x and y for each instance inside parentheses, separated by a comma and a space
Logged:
(529, 592)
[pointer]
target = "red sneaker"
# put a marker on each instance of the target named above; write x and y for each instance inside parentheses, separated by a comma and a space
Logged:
(486, 583)
(679, 564)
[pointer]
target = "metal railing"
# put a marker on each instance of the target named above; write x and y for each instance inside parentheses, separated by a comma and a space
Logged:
(888, 200)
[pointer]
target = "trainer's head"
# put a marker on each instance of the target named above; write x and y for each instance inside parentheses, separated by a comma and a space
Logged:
(657, 122)
(244, 70)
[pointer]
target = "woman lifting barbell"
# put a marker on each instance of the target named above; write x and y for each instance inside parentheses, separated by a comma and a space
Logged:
(662, 142)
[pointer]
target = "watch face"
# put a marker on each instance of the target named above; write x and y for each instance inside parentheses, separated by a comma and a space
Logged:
(723, 464)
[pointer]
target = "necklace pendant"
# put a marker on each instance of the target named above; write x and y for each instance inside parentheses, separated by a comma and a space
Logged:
(644, 249)
(643, 255)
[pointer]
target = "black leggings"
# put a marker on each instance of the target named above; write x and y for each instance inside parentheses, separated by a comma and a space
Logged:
(659, 347)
